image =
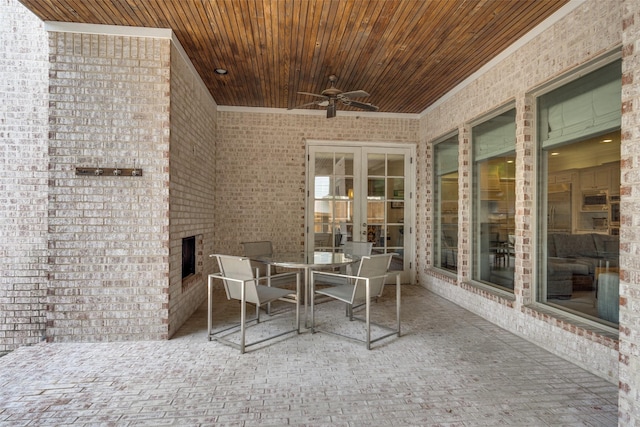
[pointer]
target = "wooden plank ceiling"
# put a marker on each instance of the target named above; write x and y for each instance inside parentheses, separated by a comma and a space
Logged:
(405, 53)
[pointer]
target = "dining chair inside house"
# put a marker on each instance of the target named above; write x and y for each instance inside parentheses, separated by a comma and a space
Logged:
(360, 288)
(241, 283)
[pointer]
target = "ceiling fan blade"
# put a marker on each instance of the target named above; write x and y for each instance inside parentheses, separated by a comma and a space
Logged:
(331, 110)
(354, 94)
(319, 102)
(317, 95)
(363, 105)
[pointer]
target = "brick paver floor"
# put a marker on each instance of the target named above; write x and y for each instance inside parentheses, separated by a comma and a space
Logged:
(450, 368)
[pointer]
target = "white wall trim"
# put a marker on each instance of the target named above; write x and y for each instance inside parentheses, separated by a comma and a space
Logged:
(304, 112)
(115, 30)
(543, 26)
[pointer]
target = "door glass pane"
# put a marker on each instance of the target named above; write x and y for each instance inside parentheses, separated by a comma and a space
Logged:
(333, 206)
(376, 188)
(376, 163)
(385, 204)
(395, 165)
(324, 163)
(344, 164)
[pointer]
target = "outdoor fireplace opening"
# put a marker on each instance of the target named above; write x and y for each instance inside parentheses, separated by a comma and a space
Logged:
(188, 256)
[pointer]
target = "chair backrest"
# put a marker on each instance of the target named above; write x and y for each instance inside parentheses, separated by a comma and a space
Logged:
(259, 248)
(358, 248)
(372, 266)
(234, 267)
(263, 247)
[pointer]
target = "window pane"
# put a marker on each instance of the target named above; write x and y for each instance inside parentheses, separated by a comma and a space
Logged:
(580, 250)
(494, 201)
(446, 204)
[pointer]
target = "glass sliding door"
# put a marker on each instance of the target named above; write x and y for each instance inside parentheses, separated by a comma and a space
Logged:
(361, 194)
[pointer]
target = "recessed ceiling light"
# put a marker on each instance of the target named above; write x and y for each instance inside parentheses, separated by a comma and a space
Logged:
(606, 141)
(555, 153)
(221, 71)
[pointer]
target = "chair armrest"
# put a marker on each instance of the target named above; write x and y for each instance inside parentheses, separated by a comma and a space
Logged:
(279, 275)
(345, 276)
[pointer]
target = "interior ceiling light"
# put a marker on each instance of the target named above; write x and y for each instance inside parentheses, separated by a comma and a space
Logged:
(221, 71)
(606, 141)
(555, 153)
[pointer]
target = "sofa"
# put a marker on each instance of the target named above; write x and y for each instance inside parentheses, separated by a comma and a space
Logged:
(574, 259)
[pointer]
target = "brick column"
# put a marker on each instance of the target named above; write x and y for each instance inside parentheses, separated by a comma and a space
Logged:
(629, 373)
(23, 176)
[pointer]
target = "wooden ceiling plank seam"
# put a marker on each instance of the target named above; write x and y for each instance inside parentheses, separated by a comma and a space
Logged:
(270, 40)
(322, 69)
(309, 48)
(248, 54)
(454, 57)
(250, 40)
(349, 53)
(204, 62)
(363, 66)
(299, 11)
(46, 10)
(223, 87)
(397, 20)
(194, 36)
(388, 35)
(216, 42)
(282, 54)
(414, 37)
(124, 10)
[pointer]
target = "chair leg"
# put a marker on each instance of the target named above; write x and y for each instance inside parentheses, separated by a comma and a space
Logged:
(368, 314)
(398, 297)
(243, 318)
(209, 306)
(311, 306)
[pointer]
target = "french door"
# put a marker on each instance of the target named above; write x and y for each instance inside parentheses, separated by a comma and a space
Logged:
(361, 193)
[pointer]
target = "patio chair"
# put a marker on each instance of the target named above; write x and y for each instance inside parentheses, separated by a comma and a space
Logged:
(357, 250)
(264, 248)
(362, 287)
(256, 249)
(241, 284)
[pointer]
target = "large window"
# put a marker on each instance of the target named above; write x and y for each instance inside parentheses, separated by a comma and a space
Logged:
(446, 203)
(579, 140)
(494, 143)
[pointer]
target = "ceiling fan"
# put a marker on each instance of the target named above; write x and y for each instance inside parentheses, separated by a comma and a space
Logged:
(330, 97)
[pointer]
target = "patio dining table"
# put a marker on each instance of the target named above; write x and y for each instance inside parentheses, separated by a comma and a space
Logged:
(306, 261)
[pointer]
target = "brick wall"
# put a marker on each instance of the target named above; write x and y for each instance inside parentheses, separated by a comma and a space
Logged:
(108, 236)
(192, 184)
(23, 176)
(260, 170)
(629, 383)
(587, 32)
